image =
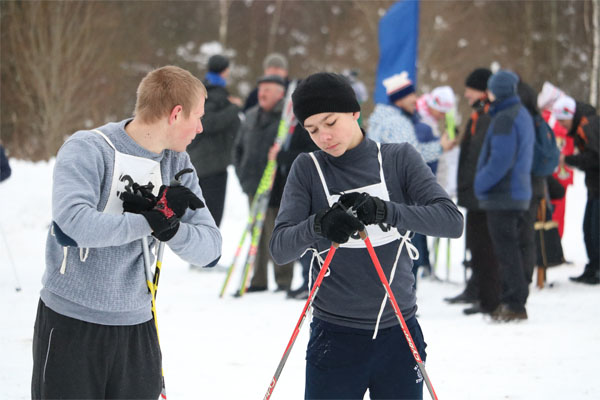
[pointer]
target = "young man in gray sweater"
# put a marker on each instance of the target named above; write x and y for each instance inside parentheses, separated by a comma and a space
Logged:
(398, 193)
(95, 335)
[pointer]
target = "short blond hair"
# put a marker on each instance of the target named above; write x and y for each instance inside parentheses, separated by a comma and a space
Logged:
(164, 88)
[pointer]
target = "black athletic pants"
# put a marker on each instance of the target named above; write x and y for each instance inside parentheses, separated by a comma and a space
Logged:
(73, 359)
(483, 261)
(508, 232)
(213, 189)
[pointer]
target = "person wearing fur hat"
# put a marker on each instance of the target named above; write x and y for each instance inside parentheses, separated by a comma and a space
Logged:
(503, 189)
(394, 193)
(583, 124)
(400, 122)
(397, 122)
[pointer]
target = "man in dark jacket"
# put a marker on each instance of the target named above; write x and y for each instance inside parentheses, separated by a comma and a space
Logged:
(483, 287)
(582, 123)
(210, 152)
(254, 146)
(4, 165)
(273, 64)
(503, 188)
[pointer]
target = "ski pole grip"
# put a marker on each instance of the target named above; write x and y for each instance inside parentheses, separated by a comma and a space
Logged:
(363, 234)
(334, 244)
(177, 180)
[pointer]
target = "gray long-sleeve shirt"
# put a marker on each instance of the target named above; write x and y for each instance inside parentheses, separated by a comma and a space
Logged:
(109, 287)
(351, 295)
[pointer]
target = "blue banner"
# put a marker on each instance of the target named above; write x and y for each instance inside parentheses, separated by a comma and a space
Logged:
(398, 44)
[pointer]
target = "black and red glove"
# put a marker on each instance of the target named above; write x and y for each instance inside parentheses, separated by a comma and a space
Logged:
(140, 200)
(169, 207)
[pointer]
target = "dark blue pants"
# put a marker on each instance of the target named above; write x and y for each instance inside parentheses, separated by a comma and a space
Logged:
(213, 189)
(591, 235)
(508, 231)
(342, 363)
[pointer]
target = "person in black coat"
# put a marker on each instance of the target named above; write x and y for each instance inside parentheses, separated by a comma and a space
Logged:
(583, 124)
(253, 148)
(5, 170)
(483, 287)
(210, 152)
(273, 64)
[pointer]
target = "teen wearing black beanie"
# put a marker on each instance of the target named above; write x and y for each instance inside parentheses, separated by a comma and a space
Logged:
(392, 190)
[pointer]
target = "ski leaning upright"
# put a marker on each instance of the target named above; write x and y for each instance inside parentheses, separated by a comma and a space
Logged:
(260, 202)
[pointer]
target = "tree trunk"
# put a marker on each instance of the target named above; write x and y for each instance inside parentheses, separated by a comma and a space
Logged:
(595, 54)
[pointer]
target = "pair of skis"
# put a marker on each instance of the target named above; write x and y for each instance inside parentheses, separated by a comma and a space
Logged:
(260, 201)
(391, 298)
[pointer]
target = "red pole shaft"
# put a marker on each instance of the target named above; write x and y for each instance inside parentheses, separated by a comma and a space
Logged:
(309, 302)
(390, 294)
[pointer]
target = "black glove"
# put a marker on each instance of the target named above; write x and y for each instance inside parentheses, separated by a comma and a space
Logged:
(142, 200)
(336, 224)
(369, 209)
(171, 204)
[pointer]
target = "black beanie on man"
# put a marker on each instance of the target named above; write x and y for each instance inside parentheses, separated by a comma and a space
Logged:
(323, 92)
(217, 63)
(478, 79)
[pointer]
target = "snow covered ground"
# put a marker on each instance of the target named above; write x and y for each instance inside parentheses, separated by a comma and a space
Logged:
(229, 348)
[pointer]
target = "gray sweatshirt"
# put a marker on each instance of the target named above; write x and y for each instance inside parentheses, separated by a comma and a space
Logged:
(352, 294)
(104, 277)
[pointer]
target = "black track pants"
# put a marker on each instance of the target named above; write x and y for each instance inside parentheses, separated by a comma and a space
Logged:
(73, 359)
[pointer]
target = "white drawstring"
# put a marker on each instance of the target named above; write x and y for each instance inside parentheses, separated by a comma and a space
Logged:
(83, 254)
(63, 266)
(413, 253)
(317, 255)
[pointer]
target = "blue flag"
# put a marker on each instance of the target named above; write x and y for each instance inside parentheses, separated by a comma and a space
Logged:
(398, 44)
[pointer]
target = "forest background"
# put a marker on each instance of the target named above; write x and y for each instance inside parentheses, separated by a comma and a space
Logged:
(68, 65)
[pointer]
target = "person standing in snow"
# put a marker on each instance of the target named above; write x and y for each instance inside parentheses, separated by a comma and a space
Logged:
(254, 147)
(5, 170)
(211, 152)
(503, 188)
(563, 174)
(273, 64)
(398, 193)
(94, 334)
(483, 287)
(583, 125)
(399, 123)
(432, 108)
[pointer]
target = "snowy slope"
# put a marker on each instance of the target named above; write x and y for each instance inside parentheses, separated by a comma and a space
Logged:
(229, 348)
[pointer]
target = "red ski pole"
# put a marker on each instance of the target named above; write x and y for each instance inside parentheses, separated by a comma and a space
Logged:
(390, 294)
(311, 297)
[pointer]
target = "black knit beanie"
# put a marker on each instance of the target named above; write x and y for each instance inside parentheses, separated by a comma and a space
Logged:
(323, 92)
(217, 63)
(478, 79)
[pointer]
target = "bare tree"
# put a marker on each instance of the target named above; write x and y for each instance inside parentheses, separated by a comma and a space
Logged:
(594, 100)
(223, 20)
(52, 52)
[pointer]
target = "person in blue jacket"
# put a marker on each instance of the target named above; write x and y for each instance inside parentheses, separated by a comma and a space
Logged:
(356, 342)
(503, 188)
